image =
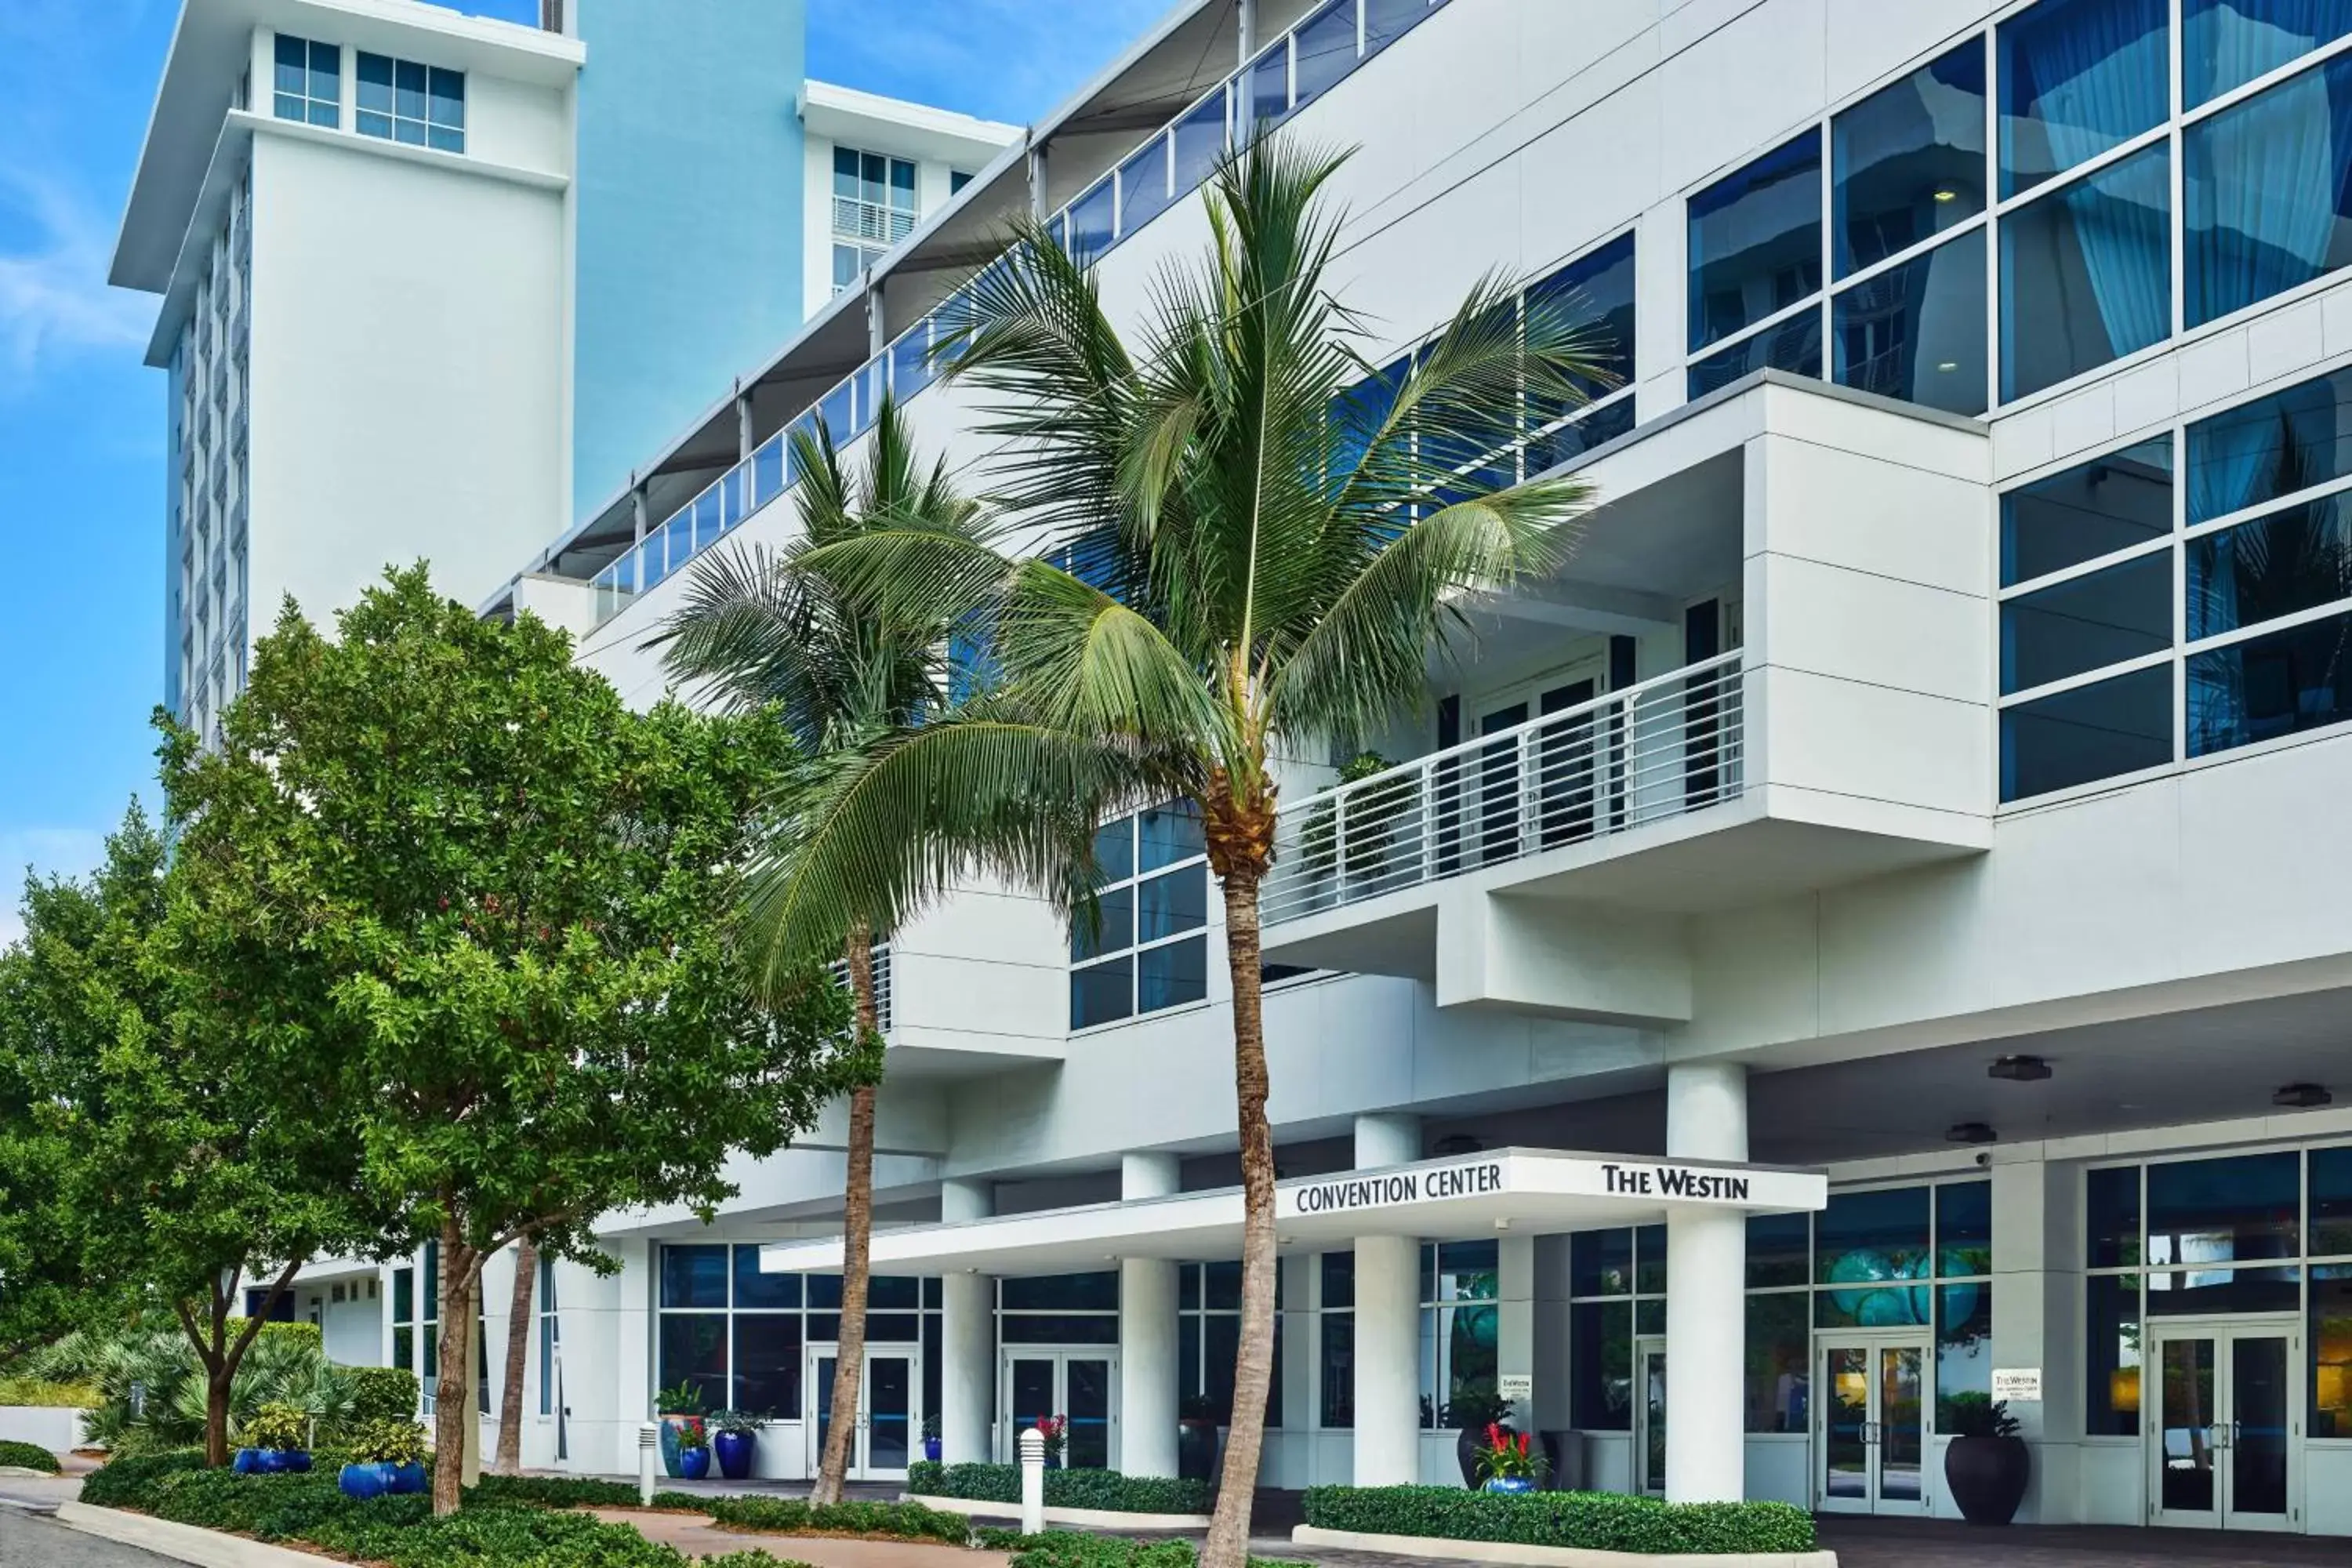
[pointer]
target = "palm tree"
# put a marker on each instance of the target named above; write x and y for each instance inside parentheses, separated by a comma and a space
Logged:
(764, 626)
(1251, 542)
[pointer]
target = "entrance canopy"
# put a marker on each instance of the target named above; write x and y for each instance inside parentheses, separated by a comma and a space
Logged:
(1536, 1191)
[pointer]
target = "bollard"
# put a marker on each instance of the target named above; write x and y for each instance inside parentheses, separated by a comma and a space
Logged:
(649, 1445)
(1033, 1482)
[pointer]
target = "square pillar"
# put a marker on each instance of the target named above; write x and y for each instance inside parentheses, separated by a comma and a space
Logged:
(1515, 1319)
(2037, 1323)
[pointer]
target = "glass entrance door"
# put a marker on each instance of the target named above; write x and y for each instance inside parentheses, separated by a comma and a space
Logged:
(2225, 1448)
(1871, 1436)
(887, 1417)
(1077, 1385)
(1650, 1416)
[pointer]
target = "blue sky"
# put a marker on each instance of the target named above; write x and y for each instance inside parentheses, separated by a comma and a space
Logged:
(81, 419)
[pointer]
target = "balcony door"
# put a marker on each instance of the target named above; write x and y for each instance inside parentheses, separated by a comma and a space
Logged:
(2225, 1448)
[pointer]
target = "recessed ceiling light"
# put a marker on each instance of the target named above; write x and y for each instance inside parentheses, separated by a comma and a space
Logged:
(1946, 193)
(1949, 366)
(2302, 1097)
(2019, 1069)
(1970, 1132)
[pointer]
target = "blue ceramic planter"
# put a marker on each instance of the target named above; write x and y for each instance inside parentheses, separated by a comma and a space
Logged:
(361, 1482)
(250, 1461)
(1510, 1486)
(295, 1461)
(693, 1464)
(406, 1480)
(735, 1450)
(930, 1450)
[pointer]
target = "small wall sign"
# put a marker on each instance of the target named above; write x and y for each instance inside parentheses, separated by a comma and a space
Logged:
(2018, 1386)
(1515, 1386)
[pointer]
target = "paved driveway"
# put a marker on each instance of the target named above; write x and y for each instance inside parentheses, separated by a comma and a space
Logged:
(45, 1543)
(1938, 1544)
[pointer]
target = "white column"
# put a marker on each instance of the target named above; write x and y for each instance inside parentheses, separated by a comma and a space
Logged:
(1146, 1332)
(968, 1341)
(1707, 1281)
(1388, 1364)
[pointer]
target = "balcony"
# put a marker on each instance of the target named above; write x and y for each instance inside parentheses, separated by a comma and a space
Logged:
(1555, 858)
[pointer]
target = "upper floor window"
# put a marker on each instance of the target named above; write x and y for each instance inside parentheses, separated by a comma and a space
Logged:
(2227, 43)
(956, 180)
(402, 100)
(310, 85)
(1148, 951)
(872, 197)
(2077, 79)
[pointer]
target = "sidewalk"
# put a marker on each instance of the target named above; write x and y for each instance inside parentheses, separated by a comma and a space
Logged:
(698, 1537)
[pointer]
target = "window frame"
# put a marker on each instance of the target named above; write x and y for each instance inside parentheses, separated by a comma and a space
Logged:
(1106, 954)
(438, 135)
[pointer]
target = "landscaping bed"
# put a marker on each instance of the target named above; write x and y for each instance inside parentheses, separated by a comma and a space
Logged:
(1103, 1491)
(1585, 1521)
(27, 1457)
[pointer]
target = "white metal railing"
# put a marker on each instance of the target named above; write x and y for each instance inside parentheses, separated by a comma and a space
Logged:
(870, 223)
(1669, 746)
(839, 970)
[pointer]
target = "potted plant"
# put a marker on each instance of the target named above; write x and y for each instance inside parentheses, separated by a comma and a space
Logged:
(674, 1408)
(1056, 1430)
(387, 1459)
(735, 1438)
(1508, 1462)
(931, 1439)
(693, 1448)
(277, 1439)
(1472, 1412)
(1197, 1419)
(1987, 1464)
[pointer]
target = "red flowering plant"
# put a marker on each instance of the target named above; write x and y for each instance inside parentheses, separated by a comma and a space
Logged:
(1508, 1455)
(1056, 1430)
(693, 1432)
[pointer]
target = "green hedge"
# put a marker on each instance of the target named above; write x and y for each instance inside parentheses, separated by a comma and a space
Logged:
(27, 1457)
(1595, 1521)
(795, 1516)
(1075, 1549)
(1105, 1490)
(130, 1481)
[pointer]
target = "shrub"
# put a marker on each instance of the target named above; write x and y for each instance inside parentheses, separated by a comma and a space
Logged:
(382, 1394)
(552, 1491)
(1594, 1521)
(399, 1442)
(28, 1456)
(1105, 1490)
(130, 1481)
(792, 1516)
(47, 1395)
(280, 1426)
(1075, 1549)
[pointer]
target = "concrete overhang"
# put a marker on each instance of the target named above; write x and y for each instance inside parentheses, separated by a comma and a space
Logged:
(869, 120)
(210, 50)
(1517, 1191)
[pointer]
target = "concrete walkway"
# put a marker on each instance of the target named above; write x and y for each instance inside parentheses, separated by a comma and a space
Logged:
(698, 1537)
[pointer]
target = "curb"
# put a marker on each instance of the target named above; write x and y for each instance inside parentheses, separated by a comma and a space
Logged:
(1100, 1518)
(35, 1510)
(182, 1542)
(1546, 1556)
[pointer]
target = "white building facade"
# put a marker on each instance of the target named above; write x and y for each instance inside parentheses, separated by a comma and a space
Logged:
(1858, 940)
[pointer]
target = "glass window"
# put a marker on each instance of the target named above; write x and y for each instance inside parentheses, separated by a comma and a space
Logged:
(1112, 928)
(1143, 185)
(2111, 1216)
(1909, 160)
(2278, 684)
(2111, 1339)
(1650, 1260)
(1059, 1329)
(1756, 241)
(2330, 1338)
(2200, 1293)
(767, 1363)
(1097, 1292)
(1601, 1366)
(2222, 1211)
(823, 1290)
(309, 82)
(1170, 834)
(1326, 44)
(1339, 1370)
(2229, 43)
(2091, 733)
(1175, 902)
(1386, 21)
(2331, 1204)
(1963, 1349)
(1114, 849)
(1780, 1346)
(694, 1350)
(2086, 273)
(2110, 503)
(2084, 623)
(1594, 295)
(1795, 346)
(1174, 975)
(1780, 1249)
(1873, 1235)
(1268, 86)
(1201, 140)
(1090, 231)
(754, 1288)
(1339, 1280)
(1601, 1263)
(1153, 891)
(1918, 332)
(1580, 436)
(2293, 560)
(2264, 185)
(402, 100)
(1964, 1228)
(2078, 77)
(2271, 447)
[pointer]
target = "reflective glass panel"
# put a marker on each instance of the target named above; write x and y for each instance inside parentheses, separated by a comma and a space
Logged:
(2331, 1202)
(1963, 1349)
(1114, 849)
(2293, 560)
(1964, 1228)
(1143, 186)
(2086, 274)
(1268, 88)
(1326, 45)
(1780, 1249)
(1909, 160)
(1795, 346)
(2085, 623)
(1650, 1260)
(2078, 77)
(1601, 1366)
(1780, 1344)
(1168, 834)
(1177, 901)
(1112, 928)
(2263, 185)
(1592, 296)
(1094, 1293)
(1339, 1279)
(2111, 1366)
(2091, 732)
(2218, 1211)
(1872, 1245)
(1918, 332)
(2330, 1341)
(2273, 447)
(2186, 1419)
(1103, 993)
(1091, 232)
(694, 1276)
(2206, 1292)
(756, 1288)
(2260, 1411)
(2278, 684)
(768, 1365)
(1386, 21)
(1580, 436)
(2227, 43)
(1200, 140)
(1601, 1263)
(694, 1351)
(1171, 976)
(1756, 241)
(2111, 1216)
(823, 1290)
(2112, 502)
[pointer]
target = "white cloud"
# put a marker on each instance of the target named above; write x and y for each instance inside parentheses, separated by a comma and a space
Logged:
(53, 291)
(48, 852)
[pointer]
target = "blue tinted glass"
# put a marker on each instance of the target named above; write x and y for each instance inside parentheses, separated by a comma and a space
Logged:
(844, 171)
(409, 130)
(1200, 140)
(1143, 185)
(2111, 1216)
(1579, 436)
(754, 1288)
(290, 106)
(293, 58)
(1910, 161)
(448, 92)
(1386, 21)
(2078, 77)
(911, 364)
(1269, 87)
(1780, 1249)
(1096, 1292)
(2096, 732)
(1795, 346)
(1360, 412)
(1102, 994)
(1592, 296)
(694, 1351)
(1918, 332)
(1866, 1237)
(2227, 43)
(1090, 224)
(2271, 447)
(1963, 1349)
(327, 72)
(1178, 901)
(2220, 1211)
(2086, 274)
(1601, 1263)
(838, 410)
(2085, 623)
(1170, 834)
(408, 80)
(694, 1276)
(2271, 686)
(1114, 849)
(2298, 558)
(1113, 929)
(1327, 49)
(1171, 976)
(1756, 240)
(2264, 184)
(1964, 1228)
(2331, 1202)
(374, 72)
(2112, 502)
(325, 114)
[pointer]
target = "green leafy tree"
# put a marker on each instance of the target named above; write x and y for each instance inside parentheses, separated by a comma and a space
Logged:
(765, 629)
(517, 900)
(1253, 543)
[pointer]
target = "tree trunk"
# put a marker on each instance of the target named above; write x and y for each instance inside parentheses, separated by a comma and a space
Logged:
(518, 1326)
(1228, 1543)
(453, 1398)
(217, 1381)
(856, 1242)
(220, 1352)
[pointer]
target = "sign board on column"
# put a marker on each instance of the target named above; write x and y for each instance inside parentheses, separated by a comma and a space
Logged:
(2017, 1386)
(1515, 1386)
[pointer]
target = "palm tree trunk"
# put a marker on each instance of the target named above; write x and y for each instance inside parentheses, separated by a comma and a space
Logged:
(1229, 1527)
(453, 1397)
(509, 1461)
(857, 1241)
